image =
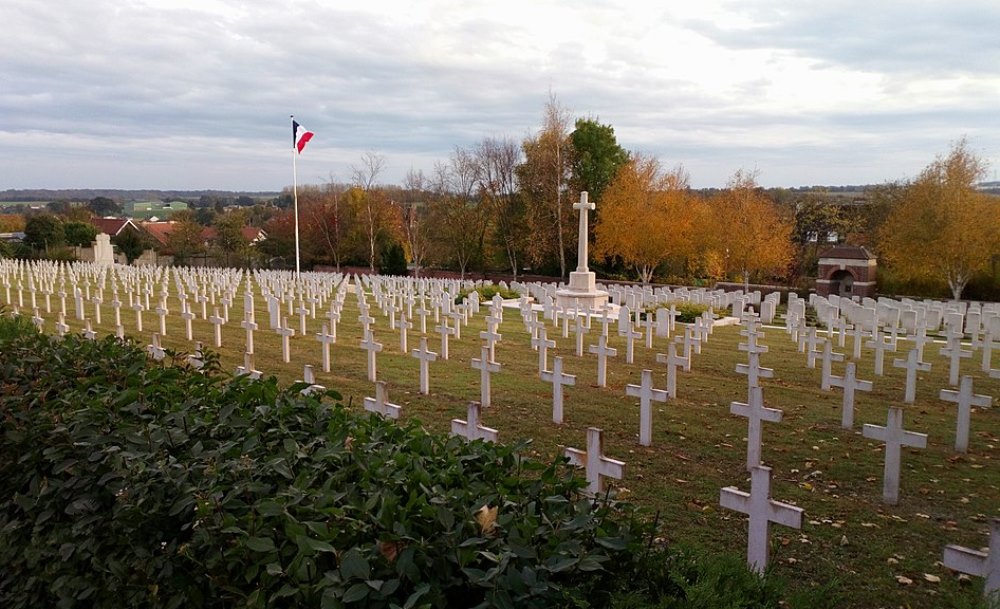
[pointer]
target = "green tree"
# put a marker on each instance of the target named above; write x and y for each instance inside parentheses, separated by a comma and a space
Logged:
(185, 240)
(597, 158)
(130, 243)
(79, 234)
(103, 206)
(43, 232)
(229, 239)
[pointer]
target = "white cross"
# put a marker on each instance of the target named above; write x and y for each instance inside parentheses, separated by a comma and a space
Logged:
(155, 350)
(249, 325)
(445, 332)
(581, 331)
(751, 346)
(137, 307)
(425, 356)
(975, 562)
(326, 339)
(880, 344)
(912, 364)
(672, 360)
(543, 344)
(490, 335)
(647, 395)
(965, 400)
(955, 353)
(372, 347)
(850, 384)
(597, 465)
(829, 356)
(97, 300)
(858, 333)
(753, 370)
(88, 331)
(602, 351)
(756, 413)
(558, 380)
(485, 367)
(162, 312)
(403, 325)
(381, 404)
(895, 437)
(630, 335)
(471, 429)
(217, 321)
(762, 511)
(286, 334)
(309, 378)
(583, 206)
(247, 369)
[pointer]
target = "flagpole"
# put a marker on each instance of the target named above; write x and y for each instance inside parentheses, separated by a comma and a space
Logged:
(295, 199)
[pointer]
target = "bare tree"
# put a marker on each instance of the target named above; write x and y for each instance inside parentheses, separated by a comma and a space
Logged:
(457, 214)
(375, 207)
(497, 164)
(414, 212)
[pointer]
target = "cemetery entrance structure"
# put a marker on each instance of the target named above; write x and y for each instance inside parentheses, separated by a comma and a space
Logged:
(847, 271)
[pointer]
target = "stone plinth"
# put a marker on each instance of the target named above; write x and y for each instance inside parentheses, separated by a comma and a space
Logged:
(582, 292)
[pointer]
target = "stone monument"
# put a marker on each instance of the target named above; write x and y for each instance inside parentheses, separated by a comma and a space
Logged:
(103, 252)
(582, 292)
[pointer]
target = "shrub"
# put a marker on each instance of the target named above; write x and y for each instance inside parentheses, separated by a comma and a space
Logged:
(487, 292)
(687, 311)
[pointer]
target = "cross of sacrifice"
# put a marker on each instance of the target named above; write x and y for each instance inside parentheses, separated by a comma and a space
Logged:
(471, 429)
(762, 510)
(955, 354)
(829, 356)
(602, 351)
(309, 378)
(558, 380)
(880, 344)
(583, 206)
(912, 364)
(380, 404)
(425, 356)
(543, 344)
(445, 332)
(978, 563)
(673, 361)
(895, 437)
(326, 339)
(849, 383)
(753, 370)
(965, 400)
(598, 467)
(372, 347)
(485, 367)
(647, 395)
(286, 334)
(247, 369)
(756, 413)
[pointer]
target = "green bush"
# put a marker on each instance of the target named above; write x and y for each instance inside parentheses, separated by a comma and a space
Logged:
(130, 483)
(687, 311)
(486, 293)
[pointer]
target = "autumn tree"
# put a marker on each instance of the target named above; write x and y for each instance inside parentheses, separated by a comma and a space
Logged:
(459, 217)
(378, 218)
(327, 221)
(230, 240)
(497, 161)
(414, 215)
(756, 239)
(185, 239)
(942, 227)
(645, 217)
(544, 180)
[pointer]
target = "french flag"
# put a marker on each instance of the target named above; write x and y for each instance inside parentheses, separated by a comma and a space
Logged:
(300, 136)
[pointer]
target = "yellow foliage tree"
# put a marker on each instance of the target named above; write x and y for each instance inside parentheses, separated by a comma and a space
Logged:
(942, 227)
(645, 216)
(755, 238)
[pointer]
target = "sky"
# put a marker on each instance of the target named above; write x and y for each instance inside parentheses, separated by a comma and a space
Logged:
(197, 94)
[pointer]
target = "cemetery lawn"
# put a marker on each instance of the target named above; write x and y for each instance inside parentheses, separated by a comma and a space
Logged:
(866, 554)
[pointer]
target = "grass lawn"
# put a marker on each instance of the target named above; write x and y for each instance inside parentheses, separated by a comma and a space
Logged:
(870, 554)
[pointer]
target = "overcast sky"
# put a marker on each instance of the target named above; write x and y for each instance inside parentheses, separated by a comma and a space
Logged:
(192, 94)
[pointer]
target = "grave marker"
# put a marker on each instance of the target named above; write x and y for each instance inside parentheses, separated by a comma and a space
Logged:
(558, 380)
(647, 395)
(471, 429)
(965, 400)
(895, 437)
(380, 404)
(977, 563)
(598, 467)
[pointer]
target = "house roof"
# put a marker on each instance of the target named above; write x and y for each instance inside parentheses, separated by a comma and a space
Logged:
(849, 252)
(159, 231)
(112, 226)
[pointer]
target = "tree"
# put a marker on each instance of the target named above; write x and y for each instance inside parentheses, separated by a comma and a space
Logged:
(459, 218)
(942, 227)
(756, 239)
(597, 158)
(130, 243)
(44, 231)
(229, 239)
(497, 160)
(377, 216)
(327, 221)
(645, 217)
(414, 211)
(185, 240)
(544, 177)
(103, 206)
(80, 234)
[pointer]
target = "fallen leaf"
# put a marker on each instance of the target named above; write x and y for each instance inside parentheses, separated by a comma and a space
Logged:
(934, 579)
(906, 581)
(487, 519)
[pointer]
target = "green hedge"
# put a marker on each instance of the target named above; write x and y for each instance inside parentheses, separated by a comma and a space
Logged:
(128, 483)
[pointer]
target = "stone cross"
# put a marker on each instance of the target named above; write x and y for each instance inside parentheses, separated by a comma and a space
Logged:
(558, 380)
(602, 351)
(471, 429)
(630, 336)
(286, 334)
(425, 356)
(62, 328)
(858, 333)
(762, 510)
(543, 344)
(977, 563)
(380, 403)
(880, 344)
(756, 413)
(598, 467)
(88, 331)
(155, 350)
(895, 437)
(137, 307)
(580, 331)
(247, 369)
(217, 320)
(583, 206)
(187, 315)
(161, 312)
(326, 339)
(754, 371)
(372, 347)
(965, 400)
(309, 378)
(672, 360)
(490, 335)
(912, 364)
(647, 395)
(404, 325)
(485, 367)
(445, 332)
(955, 353)
(829, 356)
(850, 384)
